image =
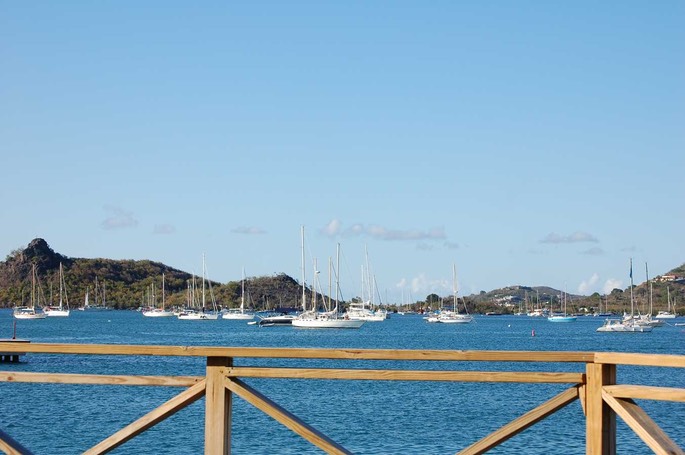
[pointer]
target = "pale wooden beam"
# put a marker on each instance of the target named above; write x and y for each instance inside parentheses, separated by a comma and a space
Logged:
(600, 420)
(217, 407)
(284, 417)
(652, 435)
(301, 353)
(97, 379)
(646, 392)
(654, 360)
(521, 423)
(407, 375)
(150, 419)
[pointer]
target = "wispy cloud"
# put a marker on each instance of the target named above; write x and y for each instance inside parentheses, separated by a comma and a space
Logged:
(163, 229)
(576, 237)
(118, 218)
(594, 251)
(248, 230)
(335, 228)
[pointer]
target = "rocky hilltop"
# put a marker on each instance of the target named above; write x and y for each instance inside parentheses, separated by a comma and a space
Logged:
(121, 284)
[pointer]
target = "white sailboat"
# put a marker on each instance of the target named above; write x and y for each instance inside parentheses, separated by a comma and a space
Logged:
(453, 317)
(627, 325)
(364, 310)
(202, 314)
(157, 312)
(62, 309)
(670, 312)
(30, 312)
(312, 319)
(239, 313)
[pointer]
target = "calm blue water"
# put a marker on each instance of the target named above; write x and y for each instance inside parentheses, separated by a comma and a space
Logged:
(366, 417)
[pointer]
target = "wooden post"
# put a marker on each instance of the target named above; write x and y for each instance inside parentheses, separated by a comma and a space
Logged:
(217, 407)
(600, 419)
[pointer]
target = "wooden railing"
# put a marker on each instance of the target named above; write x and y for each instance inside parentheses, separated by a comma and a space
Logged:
(601, 398)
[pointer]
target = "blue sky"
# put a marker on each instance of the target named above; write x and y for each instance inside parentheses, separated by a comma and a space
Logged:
(528, 142)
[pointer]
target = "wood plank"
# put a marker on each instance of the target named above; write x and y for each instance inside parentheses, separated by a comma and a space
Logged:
(646, 392)
(655, 438)
(304, 353)
(11, 447)
(217, 408)
(149, 420)
(407, 375)
(284, 417)
(521, 423)
(69, 378)
(654, 360)
(600, 421)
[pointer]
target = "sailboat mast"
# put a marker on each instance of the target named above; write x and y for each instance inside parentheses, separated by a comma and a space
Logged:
(203, 282)
(454, 285)
(337, 274)
(632, 310)
(304, 296)
(163, 303)
(242, 292)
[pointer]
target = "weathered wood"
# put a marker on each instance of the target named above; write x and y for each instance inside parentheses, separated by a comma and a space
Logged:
(646, 392)
(655, 438)
(11, 447)
(97, 379)
(600, 421)
(217, 407)
(526, 420)
(305, 353)
(284, 417)
(150, 419)
(407, 375)
(653, 360)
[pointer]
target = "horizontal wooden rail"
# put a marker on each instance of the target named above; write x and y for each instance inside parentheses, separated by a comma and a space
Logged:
(407, 375)
(303, 353)
(651, 360)
(645, 392)
(99, 379)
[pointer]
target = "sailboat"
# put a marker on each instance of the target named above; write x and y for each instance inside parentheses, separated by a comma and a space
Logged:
(563, 316)
(153, 311)
(453, 317)
(239, 313)
(627, 325)
(62, 309)
(202, 315)
(30, 312)
(364, 310)
(646, 319)
(312, 319)
(670, 312)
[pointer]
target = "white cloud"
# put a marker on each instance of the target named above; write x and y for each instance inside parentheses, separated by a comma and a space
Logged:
(588, 286)
(118, 219)
(248, 230)
(611, 284)
(332, 229)
(576, 237)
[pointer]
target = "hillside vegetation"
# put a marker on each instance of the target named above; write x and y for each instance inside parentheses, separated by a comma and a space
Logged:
(128, 284)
